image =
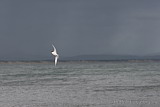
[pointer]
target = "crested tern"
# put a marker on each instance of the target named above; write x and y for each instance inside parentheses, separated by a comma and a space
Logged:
(54, 53)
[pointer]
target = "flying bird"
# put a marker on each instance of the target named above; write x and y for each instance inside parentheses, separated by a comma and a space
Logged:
(54, 53)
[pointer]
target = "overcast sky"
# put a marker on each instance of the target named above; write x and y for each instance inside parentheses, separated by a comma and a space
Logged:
(78, 27)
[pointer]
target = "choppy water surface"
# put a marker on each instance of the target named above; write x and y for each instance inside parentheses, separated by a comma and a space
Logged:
(80, 84)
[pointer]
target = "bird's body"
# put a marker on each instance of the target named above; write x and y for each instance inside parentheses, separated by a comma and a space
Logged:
(54, 53)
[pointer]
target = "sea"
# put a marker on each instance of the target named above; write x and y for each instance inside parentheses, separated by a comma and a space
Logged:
(80, 84)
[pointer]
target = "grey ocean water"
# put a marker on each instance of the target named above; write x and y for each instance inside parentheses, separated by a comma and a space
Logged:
(80, 84)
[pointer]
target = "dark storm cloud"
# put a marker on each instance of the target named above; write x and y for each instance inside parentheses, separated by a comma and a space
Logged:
(29, 27)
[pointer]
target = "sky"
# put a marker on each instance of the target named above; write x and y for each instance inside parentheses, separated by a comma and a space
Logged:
(78, 27)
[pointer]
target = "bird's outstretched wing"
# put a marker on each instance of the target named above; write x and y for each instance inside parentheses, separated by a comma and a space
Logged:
(54, 49)
(56, 58)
